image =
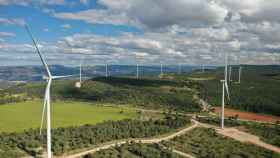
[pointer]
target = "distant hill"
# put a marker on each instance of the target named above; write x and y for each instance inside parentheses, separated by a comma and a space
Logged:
(146, 92)
(35, 73)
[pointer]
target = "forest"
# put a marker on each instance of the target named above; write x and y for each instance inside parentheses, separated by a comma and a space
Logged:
(74, 138)
(258, 91)
(135, 150)
(147, 92)
(206, 143)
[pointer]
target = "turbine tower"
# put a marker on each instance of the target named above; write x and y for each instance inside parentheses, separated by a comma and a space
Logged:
(179, 69)
(79, 84)
(47, 97)
(161, 69)
(137, 70)
(239, 74)
(137, 58)
(225, 90)
(230, 72)
(106, 70)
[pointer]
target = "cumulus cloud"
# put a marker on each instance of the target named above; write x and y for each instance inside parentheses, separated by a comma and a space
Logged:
(9, 21)
(84, 1)
(66, 26)
(178, 31)
(254, 10)
(152, 14)
(7, 34)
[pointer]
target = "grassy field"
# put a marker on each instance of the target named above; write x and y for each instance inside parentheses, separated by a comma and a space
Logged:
(18, 117)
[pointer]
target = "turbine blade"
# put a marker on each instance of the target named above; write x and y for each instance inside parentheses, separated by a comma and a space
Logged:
(38, 51)
(227, 90)
(58, 77)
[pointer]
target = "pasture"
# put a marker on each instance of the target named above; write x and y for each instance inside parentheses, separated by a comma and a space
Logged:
(18, 117)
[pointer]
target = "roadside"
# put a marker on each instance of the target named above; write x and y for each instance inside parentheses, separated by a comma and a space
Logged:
(144, 140)
(241, 136)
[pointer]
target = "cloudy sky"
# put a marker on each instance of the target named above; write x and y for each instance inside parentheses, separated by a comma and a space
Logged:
(145, 31)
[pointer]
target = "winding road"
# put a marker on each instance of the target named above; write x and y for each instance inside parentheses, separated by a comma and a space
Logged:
(144, 140)
(228, 132)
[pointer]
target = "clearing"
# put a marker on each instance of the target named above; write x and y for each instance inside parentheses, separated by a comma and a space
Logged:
(248, 115)
(18, 117)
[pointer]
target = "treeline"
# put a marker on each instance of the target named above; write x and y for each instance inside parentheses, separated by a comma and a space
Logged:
(206, 143)
(6, 98)
(132, 149)
(269, 133)
(152, 93)
(73, 138)
(143, 92)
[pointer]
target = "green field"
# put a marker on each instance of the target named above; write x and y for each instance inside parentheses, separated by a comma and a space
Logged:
(18, 117)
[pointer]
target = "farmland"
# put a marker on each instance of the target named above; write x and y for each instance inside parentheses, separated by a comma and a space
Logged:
(21, 116)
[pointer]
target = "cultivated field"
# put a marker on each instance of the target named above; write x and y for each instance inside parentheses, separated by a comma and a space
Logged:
(248, 115)
(18, 117)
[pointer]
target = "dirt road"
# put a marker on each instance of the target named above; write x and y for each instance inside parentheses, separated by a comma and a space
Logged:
(241, 136)
(228, 132)
(144, 140)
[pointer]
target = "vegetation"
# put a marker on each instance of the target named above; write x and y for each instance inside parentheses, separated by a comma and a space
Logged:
(269, 133)
(134, 150)
(152, 93)
(258, 92)
(18, 117)
(206, 143)
(6, 98)
(73, 138)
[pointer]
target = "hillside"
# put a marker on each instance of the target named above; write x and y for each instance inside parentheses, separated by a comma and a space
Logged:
(35, 73)
(259, 90)
(149, 92)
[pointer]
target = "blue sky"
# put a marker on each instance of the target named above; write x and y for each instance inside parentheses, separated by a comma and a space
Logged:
(50, 29)
(159, 31)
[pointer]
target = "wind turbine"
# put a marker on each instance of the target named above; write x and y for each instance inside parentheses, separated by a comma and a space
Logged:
(47, 97)
(225, 90)
(239, 74)
(161, 69)
(179, 69)
(137, 65)
(79, 84)
(230, 72)
(106, 71)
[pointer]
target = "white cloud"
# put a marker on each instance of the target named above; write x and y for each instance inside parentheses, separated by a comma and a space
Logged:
(254, 10)
(10, 21)
(46, 30)
(152, 14)
(178, 31)
(66, 26)
(84, 2)
(7, 34)
(32, 2)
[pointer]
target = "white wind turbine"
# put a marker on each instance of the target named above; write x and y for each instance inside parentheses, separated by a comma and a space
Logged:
(106, 71)
(138, 58)
(230, 72)
(225, 90)
(179, 69)
(161, 69)
(47, 97)
(79, 84)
